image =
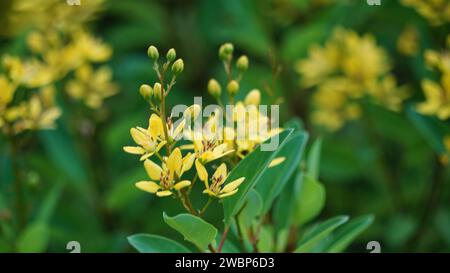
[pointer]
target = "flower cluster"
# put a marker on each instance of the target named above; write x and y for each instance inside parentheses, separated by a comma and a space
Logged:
(347, 69)
(161, 140)
(437, 93)
(239, 136)
(29, 85)
(437, 12)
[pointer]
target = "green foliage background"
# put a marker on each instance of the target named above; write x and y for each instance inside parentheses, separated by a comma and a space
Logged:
(80, 184)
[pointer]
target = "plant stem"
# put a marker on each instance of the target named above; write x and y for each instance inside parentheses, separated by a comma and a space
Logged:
(431, 202)
(206, 206)
(222, 240)
(163, 112)
(187, 203)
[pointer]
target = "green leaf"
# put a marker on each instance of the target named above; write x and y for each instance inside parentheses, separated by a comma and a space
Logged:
(266, 241)
(318, 233)
(347, 233)
(193, 228)
(34, 238)
(294, 123)
(49, 204)
(274, 179)
(248, 214)
(251, 209)
(251, 167)
(314, 159)
(149, 243)
(310, 201)
(431, 129)
(286, 204)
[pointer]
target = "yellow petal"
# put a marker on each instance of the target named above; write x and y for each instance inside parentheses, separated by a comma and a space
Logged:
(155, 128)
(148, 186)
(174, 161)
(160, 145)
(232, 185)
(188, 161)
(138, 136)
(136, 150)
(209, 192)
(187, 147)
(178, 130)
(163, 193)
(185, 183)
(221, 171)
(153, 170)
(228, 194)
(201, 171)
(145, 156)
(276, 161)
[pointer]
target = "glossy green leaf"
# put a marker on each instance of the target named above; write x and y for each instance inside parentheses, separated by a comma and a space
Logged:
(274, 178)
(149, 243)
(318, 233)
(193, 228)
(310, 201)
(314, 159)
(343, 236)
(251, 167)
(285, 205)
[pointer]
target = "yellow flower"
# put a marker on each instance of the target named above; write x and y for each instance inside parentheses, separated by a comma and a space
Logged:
(252, 128)
(437, 98)
(92, 86)
(437, 12)
(216, 188)
(168, 176)
(149, 140)
(408, 42)
(348, 68)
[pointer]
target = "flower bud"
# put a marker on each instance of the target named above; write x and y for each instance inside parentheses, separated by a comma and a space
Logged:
(253, 97)
(171, 55)
(178, 66)
(242, 63)
(146, 91)
(157, 91)
(233, 87)
(225, 51)
(214, 88)
(153, 53)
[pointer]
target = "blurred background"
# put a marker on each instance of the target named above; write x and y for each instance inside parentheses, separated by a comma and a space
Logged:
(78, 184)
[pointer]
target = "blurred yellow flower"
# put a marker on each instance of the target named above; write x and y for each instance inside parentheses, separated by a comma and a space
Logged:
(348, 68)
(92, 86)
(437, 12)
(408, 41)
(216, 188)
(437, 94)
(168, 176)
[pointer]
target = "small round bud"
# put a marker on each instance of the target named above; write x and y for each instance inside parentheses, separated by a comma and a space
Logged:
(146, 91)
(214, 88)
(253, 97)
(233, 87)
(242, 63)
(225, 51)
(153, 53)
(178, 66)
(157, 91)
(171, 55)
